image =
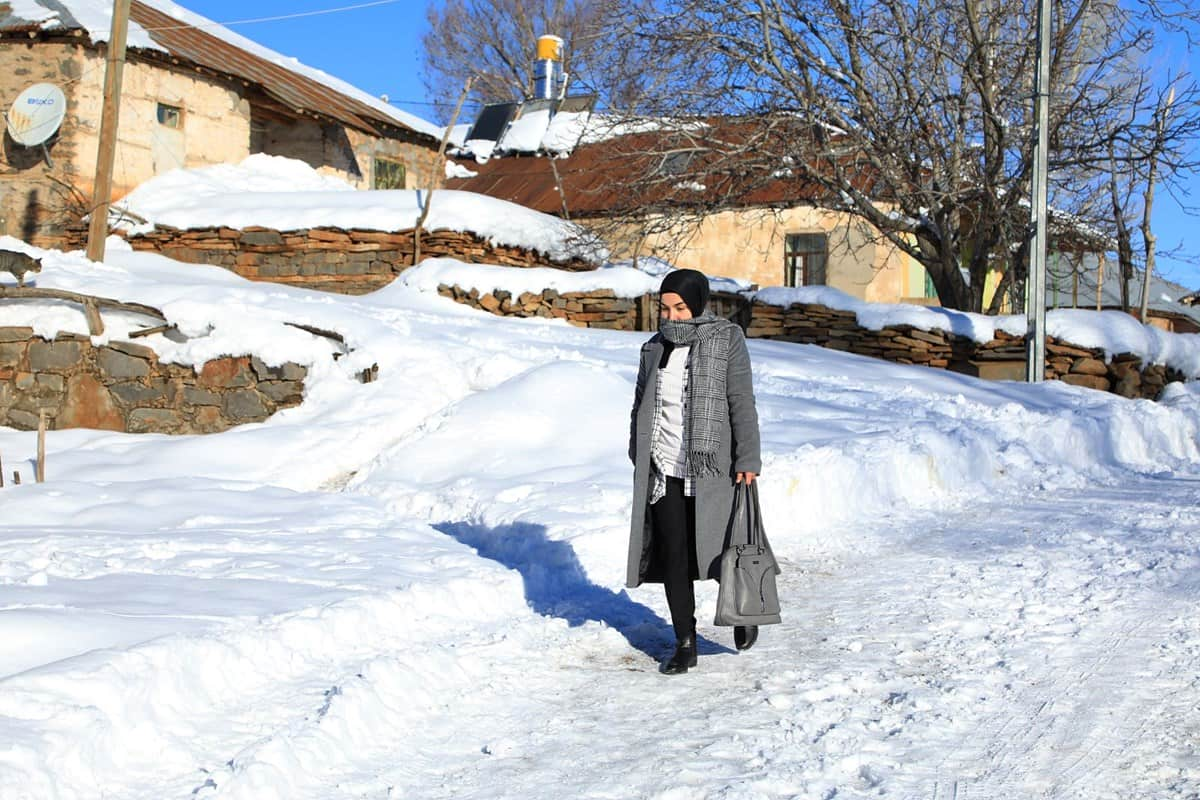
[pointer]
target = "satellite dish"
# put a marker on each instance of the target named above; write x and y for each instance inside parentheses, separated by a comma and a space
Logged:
(36, 114)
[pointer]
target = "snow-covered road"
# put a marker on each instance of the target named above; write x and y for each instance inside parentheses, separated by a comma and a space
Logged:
(1042, 645)
(413, 588)
(1037, 646)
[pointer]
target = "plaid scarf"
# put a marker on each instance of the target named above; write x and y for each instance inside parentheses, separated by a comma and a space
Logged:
(709, 337)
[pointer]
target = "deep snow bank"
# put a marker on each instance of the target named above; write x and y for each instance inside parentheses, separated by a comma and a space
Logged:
(286, 194)
(290, 593)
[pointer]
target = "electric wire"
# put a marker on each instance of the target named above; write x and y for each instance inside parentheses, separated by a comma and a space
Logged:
(278, 18)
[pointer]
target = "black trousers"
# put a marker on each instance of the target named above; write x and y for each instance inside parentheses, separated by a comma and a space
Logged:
(674, 517)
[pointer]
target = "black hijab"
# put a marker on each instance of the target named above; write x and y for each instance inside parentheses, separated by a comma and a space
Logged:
(692, 286)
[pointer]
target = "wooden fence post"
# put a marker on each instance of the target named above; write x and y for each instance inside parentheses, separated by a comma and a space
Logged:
(41, 447)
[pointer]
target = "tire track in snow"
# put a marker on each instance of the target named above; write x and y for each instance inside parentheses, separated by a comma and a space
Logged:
(535, 701)
(822, 707)
(1051, 725)
(1074, 724)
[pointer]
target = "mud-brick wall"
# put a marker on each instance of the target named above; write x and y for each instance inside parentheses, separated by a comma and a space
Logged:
(331, 259)
(595, 309)
(1002, 357)
(123, 386)
(37, 202)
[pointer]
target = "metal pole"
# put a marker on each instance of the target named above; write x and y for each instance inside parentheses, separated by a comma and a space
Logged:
(1035, 286)
(107, 148)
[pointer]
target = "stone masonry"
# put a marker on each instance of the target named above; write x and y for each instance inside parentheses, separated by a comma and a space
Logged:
(596, 309)
(1003, 357)
(123, 386)
(346, 261)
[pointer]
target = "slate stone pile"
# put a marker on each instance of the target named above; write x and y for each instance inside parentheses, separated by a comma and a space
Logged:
(595, 309)
(122, 386)
(331, 259)
(1002, 357)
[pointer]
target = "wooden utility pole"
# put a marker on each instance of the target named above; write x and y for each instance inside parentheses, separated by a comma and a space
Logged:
(439, 164)
(106, 150)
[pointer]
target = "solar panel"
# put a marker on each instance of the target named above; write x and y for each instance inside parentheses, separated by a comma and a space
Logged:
(492, 121)
(577, 104)
(539, 104)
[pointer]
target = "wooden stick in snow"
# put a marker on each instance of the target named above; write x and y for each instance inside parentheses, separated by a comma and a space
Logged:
(441, 164)
(41, 447)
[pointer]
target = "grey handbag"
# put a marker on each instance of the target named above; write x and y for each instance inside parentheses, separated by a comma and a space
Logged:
(748, 568)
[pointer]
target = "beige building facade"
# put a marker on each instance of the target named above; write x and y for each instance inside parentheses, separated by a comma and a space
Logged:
(774, 236)
(176, 113)
(805, 245)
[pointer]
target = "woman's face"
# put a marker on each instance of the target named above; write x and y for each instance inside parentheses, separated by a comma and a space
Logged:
(672, 307)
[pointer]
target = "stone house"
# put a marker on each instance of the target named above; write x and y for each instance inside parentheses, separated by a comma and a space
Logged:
(772, 233)
(697, 195)
(194, 94)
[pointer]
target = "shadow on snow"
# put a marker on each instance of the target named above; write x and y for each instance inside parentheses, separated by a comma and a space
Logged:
(557, 585)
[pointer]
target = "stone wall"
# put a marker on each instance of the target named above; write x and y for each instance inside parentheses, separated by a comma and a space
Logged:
(123, 386)
(1003, 357)
(347, 261)
(37, 201)
(222, 120)
(596, 309)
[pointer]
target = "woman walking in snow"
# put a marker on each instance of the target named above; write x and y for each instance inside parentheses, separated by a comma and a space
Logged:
(693, 437)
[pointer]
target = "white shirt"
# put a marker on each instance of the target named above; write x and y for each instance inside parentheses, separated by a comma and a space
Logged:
(669, 446)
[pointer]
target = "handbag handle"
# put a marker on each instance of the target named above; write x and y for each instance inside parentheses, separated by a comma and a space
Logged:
(753, 513)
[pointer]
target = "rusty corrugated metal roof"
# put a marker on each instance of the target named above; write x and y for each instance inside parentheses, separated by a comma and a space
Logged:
(625, 172)
(293, 90)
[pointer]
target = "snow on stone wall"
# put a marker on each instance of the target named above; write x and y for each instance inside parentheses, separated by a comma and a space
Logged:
(123, 386)
(332, 259)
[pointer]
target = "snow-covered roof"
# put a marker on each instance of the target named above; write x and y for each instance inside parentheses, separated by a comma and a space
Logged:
(1071, 282)
(163, 28)
(287, 194)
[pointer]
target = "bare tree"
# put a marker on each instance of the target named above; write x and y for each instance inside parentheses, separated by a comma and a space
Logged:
(1150, 146)
(495, 41)
(916, 115)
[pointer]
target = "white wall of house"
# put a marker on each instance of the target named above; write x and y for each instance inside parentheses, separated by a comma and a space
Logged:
(750, 245)
(212, 125)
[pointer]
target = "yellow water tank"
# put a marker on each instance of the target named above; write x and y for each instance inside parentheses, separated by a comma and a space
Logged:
(549, 48)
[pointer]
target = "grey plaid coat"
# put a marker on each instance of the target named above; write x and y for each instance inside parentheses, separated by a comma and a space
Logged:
(739, 451)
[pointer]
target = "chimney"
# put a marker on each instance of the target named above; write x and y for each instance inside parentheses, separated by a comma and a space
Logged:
(549, 80)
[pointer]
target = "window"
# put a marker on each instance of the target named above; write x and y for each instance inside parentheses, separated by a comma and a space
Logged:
(676, 163)
(804, 257)
(170, 116)
(389, 175)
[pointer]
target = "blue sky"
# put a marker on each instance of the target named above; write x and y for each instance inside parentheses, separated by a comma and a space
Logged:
(378, 48)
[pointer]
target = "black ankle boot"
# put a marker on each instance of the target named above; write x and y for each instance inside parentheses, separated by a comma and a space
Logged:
(744, 636)
(685, 656)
